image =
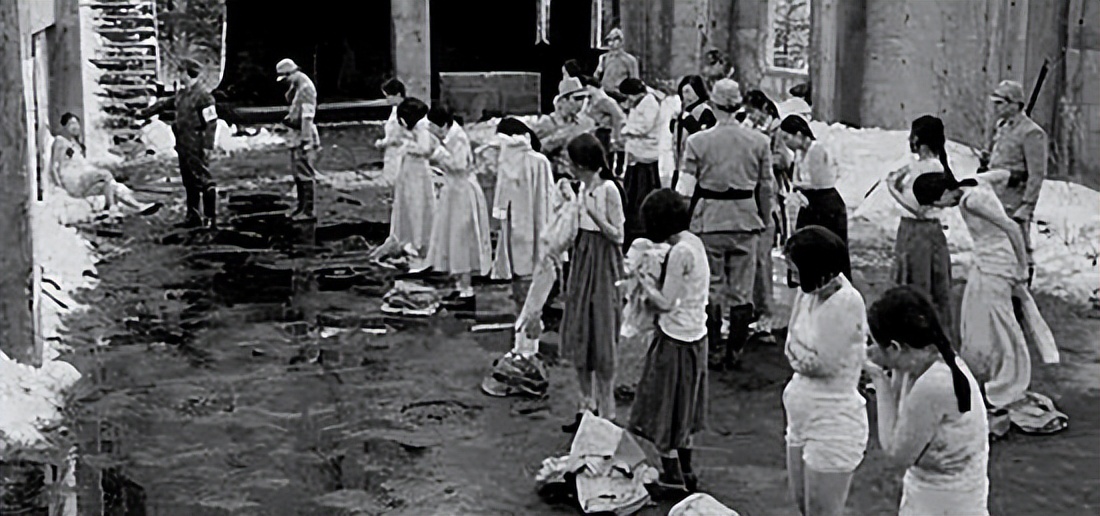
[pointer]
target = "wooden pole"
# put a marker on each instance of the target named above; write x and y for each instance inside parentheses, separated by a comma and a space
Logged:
(16, 258)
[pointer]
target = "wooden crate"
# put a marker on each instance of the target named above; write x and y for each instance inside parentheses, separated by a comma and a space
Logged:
(475, 96)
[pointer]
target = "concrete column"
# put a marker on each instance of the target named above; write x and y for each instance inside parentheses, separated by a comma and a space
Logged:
(412, 49)
(16, 256)
(689, 30)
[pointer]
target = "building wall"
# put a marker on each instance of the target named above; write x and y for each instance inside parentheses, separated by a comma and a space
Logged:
(1077, 122)
(66, 96)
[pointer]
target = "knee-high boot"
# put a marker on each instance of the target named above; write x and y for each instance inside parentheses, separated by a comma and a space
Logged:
(740, 319)
(714, 337)
(193, 219)
(210, 206)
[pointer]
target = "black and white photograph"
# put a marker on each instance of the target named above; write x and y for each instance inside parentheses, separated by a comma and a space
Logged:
(549, 257)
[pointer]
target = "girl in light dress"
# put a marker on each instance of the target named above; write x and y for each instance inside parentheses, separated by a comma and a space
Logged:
(930, 417)
(460, 243)
(413, 193)
(394, 92)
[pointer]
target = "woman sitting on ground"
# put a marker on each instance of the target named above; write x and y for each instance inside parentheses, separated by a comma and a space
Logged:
(934, 424)
(826, 342)
(671, 403)
(70, 171)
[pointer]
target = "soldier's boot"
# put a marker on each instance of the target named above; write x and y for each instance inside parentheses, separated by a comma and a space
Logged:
(305, 201)
(299, 196)
(715, 343)
(740, 319)
(193, 219)
(210, 206)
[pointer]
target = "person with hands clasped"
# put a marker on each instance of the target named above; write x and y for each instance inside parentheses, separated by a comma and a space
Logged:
(826, 415)
(929, 408)
(305, 141)
(991, 340)
(593, 310)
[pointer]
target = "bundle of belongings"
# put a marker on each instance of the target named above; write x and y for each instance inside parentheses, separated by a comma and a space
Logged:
(605, 471)
(520, 371)
(412, 299)
(701, 504)
(642, 264)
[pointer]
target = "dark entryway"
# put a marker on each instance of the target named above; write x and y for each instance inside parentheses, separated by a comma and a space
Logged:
(344, 46)
(467, 39)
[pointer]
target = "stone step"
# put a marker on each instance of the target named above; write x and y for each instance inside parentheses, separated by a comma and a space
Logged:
(120, 5)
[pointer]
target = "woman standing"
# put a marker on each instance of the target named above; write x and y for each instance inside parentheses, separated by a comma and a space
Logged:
(641, 135)
(671, 403)
(991, 340)
(695, 115)
(934, 425)
(921, 257)
(826, 416)
(413, 194)
(394, 92)
(593, 308)
(815, 176)
(459, 243)
(521, 202)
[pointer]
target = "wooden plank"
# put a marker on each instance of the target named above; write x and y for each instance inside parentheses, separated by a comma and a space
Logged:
(16, 257)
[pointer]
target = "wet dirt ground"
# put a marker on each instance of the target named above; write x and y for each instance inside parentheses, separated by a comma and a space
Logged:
(223, 375)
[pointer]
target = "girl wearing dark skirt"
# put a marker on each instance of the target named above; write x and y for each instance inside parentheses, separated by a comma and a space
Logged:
(671, 401)
(815, 178)
(641, 135)
(593, 308)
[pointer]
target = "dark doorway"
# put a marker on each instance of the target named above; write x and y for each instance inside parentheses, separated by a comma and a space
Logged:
(344, 46)
(500, 36)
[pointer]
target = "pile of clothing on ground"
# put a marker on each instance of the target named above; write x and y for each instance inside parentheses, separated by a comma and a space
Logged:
(605, 471)
(411, 299)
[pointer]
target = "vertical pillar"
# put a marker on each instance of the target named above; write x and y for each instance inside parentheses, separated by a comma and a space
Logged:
(412, 55)
(823, 58)
(690, 20)
(16, 257)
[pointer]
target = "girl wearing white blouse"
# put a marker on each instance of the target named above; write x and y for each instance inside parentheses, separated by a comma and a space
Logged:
(931, 419)
(826, 342)
(815, 175)
(593, 307)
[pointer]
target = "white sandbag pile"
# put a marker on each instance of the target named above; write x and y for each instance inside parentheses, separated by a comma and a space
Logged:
(1066, 234)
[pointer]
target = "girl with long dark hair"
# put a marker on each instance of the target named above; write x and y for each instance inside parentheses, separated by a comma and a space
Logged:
(815, 176)
(921, 257)
(695, 115)
(933, 420)
(593, 307)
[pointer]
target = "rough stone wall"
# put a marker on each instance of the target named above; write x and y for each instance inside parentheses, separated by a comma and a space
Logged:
(1077, 144)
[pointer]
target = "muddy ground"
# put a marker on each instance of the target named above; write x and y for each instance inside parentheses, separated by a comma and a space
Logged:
(221, 378)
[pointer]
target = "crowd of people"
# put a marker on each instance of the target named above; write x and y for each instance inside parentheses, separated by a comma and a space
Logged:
(744, 171)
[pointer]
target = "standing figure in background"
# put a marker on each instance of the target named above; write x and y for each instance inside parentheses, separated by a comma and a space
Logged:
(72, 173)
(827, 426)
(305, 140)
(522, 204)
(194, 129)
(413, 193)
(921, 256)
(717, 67)
(727, 173)
(1020, 147)
(566, 122)
(570, 69)
(815, 176)
(608, 116)
(393, 137)
(616, 65)
(641, 134)
(460, 243)
(593, 309)
(695, 115)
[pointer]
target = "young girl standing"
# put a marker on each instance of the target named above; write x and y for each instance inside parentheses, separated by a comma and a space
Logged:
(460, 230)
(593, 307)
(394, 92)
(413, 194)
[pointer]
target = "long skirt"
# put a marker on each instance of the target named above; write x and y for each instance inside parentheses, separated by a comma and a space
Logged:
(670, 404)
(826, 208)
(593, 308)
(413, 204)
(992, 341)
(921, 259)
(638, 181)
(460, 241)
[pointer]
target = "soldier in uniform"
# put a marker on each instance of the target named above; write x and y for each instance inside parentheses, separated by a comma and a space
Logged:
(616, 65)
(194, 129)
(1020, 147)
(304, 140)
(727, 172)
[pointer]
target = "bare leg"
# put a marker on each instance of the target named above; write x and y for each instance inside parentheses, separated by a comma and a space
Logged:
(795, 481)
(465, 284)
(826, 493)
(604, 394)
(585, 398)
